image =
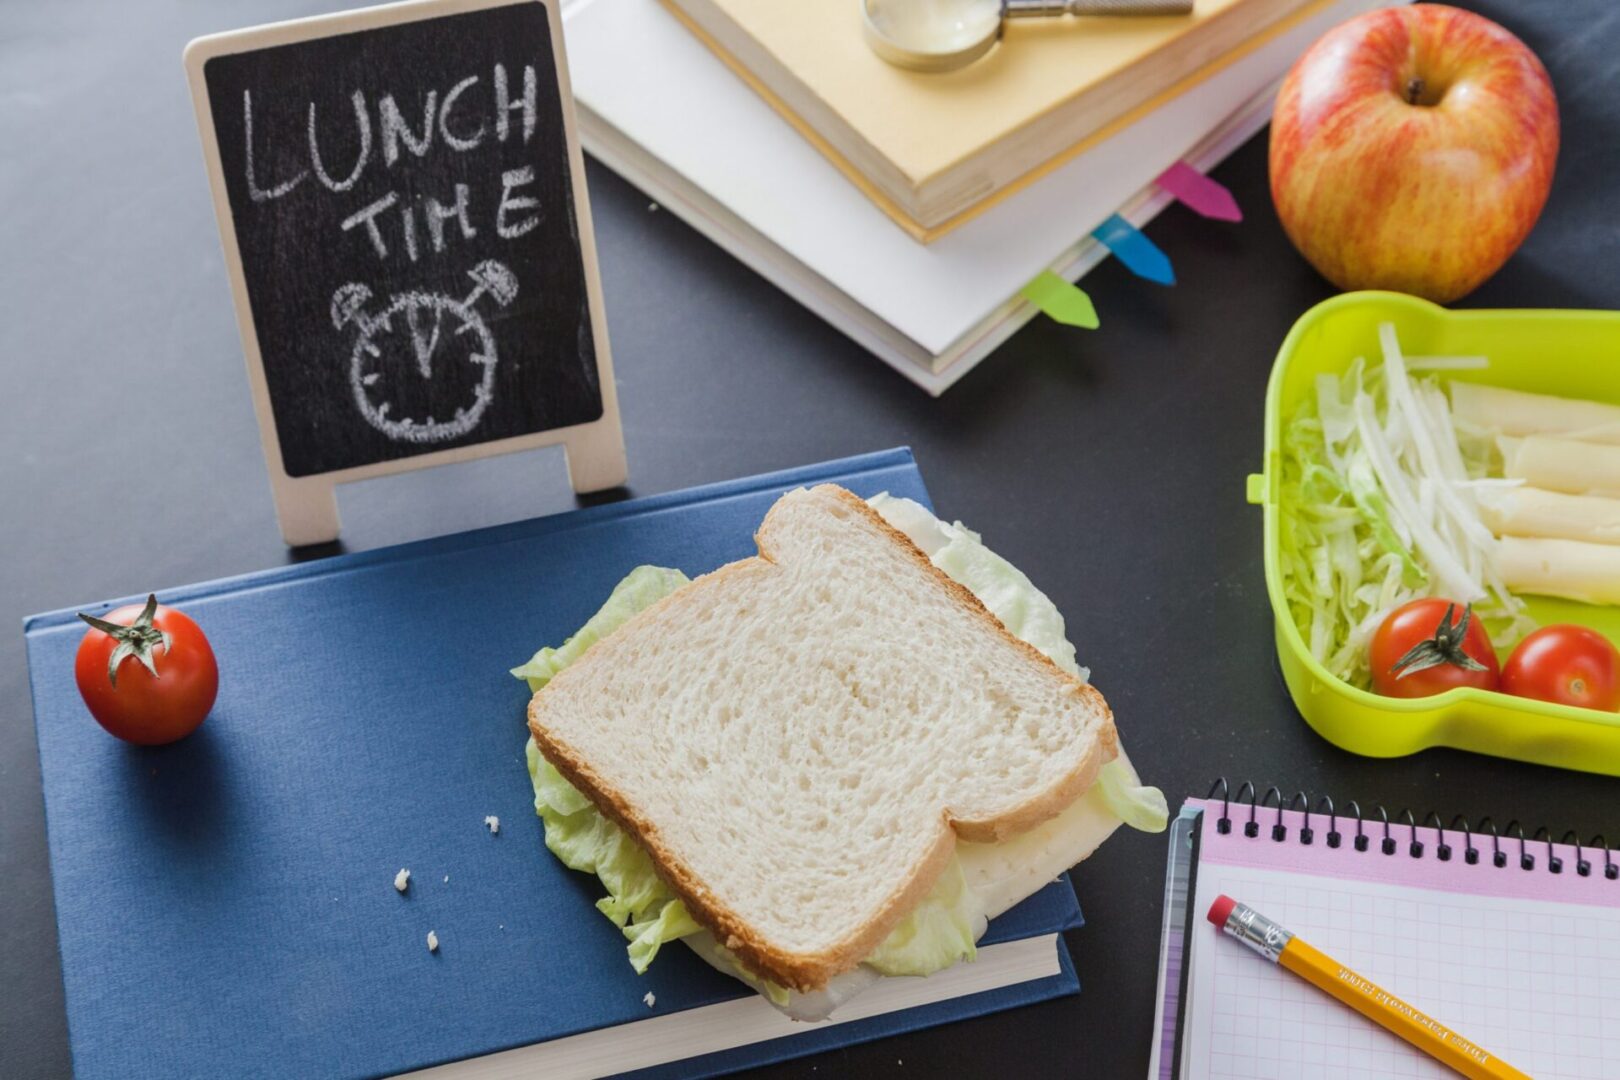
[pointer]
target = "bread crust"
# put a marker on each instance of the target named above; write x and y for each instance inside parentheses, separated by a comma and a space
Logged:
(808, 972)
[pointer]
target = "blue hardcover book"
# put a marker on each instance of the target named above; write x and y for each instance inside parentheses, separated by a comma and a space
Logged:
(226, 905)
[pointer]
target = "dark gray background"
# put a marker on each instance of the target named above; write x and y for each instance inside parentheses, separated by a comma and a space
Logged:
(1109, 465)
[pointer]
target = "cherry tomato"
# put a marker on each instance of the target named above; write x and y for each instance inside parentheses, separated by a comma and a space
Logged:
(1570, 665)
(1425, 647)
(147, 673)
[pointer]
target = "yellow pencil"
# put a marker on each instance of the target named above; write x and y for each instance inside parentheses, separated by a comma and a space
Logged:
(1380, 1006)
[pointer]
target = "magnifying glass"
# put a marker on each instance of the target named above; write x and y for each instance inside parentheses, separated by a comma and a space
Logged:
(943, 35)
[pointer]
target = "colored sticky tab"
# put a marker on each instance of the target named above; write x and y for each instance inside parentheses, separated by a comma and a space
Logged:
(1140, 255)
(1061, 301)
(1201, 194)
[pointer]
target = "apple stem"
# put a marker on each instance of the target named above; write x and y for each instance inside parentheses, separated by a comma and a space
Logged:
(1414, 89)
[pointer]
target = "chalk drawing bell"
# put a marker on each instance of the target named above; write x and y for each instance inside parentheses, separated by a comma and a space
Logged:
(943, 35)
(423, 368)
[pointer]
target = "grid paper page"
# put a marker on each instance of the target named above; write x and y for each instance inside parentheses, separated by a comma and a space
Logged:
(1535, 981)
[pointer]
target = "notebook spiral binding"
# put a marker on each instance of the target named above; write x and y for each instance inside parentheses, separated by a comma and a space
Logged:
(1261, 803)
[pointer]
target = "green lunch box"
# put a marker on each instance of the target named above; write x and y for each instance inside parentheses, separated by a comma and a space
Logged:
(1568, 353)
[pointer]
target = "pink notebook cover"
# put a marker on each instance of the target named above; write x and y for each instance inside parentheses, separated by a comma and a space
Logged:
(1425, 871)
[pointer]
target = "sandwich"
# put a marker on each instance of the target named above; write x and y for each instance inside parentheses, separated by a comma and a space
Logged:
(832, 762)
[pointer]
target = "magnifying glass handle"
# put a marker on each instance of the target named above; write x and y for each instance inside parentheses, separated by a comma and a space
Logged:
(1035, 9)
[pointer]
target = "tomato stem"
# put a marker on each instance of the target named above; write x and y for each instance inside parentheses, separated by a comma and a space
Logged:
(138, 639)
(1444, 647)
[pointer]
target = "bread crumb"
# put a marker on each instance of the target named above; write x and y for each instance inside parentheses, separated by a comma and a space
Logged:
(494, 824)
(433, 942)
(402, 880)
(650, 998)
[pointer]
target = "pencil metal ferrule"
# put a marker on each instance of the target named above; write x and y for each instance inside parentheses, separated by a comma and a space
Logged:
(1257, 932)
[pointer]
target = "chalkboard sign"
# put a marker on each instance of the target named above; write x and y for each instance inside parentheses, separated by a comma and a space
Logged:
(402, 204)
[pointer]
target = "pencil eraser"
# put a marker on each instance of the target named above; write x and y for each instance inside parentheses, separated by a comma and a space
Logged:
(1221, 909)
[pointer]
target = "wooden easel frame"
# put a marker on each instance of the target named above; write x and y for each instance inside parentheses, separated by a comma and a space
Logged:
(307, 506)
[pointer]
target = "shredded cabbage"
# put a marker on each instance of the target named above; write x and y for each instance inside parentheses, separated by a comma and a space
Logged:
(1379, 506)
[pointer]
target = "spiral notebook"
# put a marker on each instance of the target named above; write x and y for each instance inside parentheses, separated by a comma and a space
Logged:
(1511, 939)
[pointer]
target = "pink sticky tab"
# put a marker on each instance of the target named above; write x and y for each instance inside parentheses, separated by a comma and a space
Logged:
(1203, 195)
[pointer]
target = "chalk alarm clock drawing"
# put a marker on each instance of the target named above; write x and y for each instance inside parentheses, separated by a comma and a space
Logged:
(401, 199)
(397, 354)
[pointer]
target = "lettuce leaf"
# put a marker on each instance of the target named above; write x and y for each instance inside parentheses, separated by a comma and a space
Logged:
(940, 931)
(638, 901)
(641, 588)
(1001, 587)
(1027, 613)
(671, 922)
(945, 925)
(1137, 805)
(936, 935)
(586, 840)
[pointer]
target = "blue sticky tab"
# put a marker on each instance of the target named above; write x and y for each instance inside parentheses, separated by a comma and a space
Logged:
(1140, 255)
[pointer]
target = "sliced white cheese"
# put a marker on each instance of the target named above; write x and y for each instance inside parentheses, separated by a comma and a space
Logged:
(806, 1007)
(1514, 412)
(1003, 875)
(1566, 465)
(1017, 868)
(1532, 512)
(1568, 568)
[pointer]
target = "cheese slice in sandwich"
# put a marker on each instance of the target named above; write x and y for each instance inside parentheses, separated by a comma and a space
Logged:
(828, 763)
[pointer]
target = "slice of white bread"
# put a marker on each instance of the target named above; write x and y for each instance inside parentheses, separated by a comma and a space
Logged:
(799, 739)
(1002, 875)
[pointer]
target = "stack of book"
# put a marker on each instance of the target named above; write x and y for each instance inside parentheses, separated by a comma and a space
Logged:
(911, 210)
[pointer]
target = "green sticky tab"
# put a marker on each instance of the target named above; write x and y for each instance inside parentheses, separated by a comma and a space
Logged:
(1062, 302)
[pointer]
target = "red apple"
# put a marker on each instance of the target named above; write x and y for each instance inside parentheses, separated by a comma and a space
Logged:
(1412, 149)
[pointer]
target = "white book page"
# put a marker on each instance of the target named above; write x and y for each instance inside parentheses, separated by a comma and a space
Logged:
(751, 1019)
(1535, 982)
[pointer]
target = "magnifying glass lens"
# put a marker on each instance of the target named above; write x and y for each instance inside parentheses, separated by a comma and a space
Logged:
(940, 29)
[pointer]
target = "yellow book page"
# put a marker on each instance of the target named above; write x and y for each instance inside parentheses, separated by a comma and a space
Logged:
(926, 123)
(926, 234)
